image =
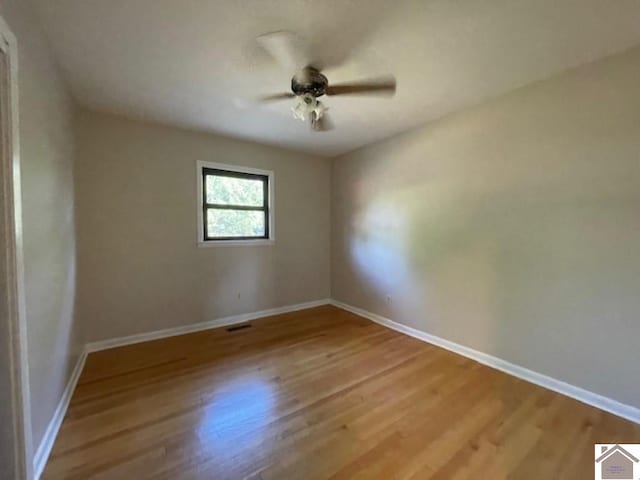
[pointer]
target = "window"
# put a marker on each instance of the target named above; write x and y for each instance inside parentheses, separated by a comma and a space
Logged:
(234, 205)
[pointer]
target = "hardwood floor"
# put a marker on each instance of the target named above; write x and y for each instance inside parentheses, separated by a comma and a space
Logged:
(318, 394)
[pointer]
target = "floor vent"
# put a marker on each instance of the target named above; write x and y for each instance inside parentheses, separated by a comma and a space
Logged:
(238, 327)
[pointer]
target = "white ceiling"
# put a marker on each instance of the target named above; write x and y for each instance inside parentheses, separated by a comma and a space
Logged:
(190, 63)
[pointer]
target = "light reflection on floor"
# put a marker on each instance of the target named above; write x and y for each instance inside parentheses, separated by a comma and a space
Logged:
(239, 407)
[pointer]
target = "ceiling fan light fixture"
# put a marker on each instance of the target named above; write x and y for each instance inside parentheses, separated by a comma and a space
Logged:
(306, 105)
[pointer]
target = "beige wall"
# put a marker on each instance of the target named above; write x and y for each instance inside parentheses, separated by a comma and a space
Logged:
(139, 267)
(46, 144)
(512, 228)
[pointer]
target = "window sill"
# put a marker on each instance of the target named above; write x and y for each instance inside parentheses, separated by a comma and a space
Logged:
(236, 243)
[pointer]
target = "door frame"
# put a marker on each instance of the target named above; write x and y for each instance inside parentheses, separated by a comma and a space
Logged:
(11, 228)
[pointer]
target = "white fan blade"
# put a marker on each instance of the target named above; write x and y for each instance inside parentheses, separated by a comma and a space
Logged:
(277, 96)
(288, 49)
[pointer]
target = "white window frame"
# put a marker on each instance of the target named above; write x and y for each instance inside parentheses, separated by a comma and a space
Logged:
(234, 243)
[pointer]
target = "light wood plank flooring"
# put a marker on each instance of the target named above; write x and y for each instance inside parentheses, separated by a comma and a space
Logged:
(318, 394)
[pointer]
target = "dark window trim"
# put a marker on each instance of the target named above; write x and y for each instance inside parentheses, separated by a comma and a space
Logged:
(208, 171)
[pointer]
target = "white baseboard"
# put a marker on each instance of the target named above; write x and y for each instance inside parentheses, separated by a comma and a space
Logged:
(44, 449)
(197, 327)
(627, 412)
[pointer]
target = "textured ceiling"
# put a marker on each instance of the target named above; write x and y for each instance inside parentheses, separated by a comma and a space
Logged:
(193, 63)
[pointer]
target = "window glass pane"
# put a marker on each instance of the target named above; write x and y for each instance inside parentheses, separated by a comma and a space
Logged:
(235, 223)
(234, 191)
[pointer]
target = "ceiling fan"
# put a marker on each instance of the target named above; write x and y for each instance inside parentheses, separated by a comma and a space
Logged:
(308, 83)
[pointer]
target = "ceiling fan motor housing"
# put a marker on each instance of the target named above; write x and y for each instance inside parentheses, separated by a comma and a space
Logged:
(311, 82)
